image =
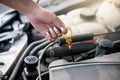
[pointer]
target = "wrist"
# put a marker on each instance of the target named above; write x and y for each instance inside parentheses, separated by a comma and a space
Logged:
(32, 9)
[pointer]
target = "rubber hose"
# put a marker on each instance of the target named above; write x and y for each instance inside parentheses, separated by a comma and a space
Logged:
(64, 51)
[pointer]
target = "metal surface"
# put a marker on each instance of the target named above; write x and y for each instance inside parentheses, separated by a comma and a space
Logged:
(10, 57)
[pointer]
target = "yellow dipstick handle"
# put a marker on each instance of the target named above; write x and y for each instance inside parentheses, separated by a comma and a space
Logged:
(68, 39)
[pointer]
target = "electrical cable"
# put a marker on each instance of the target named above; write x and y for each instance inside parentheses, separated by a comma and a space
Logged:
(93, 51)
(34, 44)
(20, 61)
(40, 57)
(115, 42)
(44, 73)
(37, 48)
(84, 55)
(42, 53)
(24, 76)
(37, 78)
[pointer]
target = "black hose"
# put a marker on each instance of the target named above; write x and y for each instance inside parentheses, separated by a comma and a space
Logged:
(85, 55)
(116, 47)
(20, 61)
(39, 47)
(77, 38)
(64, 51)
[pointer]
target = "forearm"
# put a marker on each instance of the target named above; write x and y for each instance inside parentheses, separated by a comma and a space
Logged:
(43, 20)
(23, 6)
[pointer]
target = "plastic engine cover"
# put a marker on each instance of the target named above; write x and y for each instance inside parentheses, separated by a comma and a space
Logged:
(100, 68)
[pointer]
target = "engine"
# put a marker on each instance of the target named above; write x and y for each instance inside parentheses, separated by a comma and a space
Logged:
(91, 52)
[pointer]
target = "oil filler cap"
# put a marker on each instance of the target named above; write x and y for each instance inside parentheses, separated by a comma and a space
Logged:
(31, 62)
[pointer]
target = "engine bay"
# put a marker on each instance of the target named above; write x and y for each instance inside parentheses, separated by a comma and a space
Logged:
(89, 51)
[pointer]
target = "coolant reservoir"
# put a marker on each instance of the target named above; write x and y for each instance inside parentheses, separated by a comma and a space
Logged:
(81, 15)
(74, 16)
(66, 20)
(109, 14)
(69, 23)
(92, 27)
(117, 2)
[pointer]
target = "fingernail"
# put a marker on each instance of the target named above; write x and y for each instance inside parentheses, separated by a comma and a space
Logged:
(50, 30)
(62, 29)
(53, 35)
(57, 31)
(55, 28)
(47, 33)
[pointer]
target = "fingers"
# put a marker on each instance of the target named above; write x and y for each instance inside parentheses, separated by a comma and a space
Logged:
(52, 33)
(55, 26)
(49, 31)
(57, 31)
(49, 25)
(63, 30)
(60, 25)
(48, 36)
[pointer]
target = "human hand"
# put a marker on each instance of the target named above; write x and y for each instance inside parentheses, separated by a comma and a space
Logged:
(47, 23)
